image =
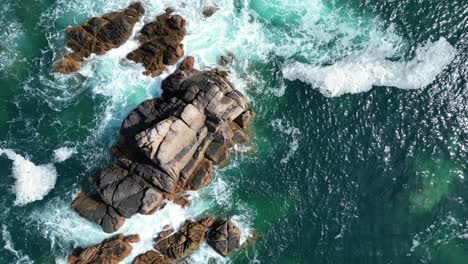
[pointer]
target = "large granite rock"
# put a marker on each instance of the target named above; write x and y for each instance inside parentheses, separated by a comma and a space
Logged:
(110, 251)
(224, 237)
(98, 212)
(182, 243)
(99, 35)
(120, 187)
(161, 43)
(169, 145)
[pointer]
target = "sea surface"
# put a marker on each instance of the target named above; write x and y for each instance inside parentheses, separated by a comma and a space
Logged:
(359, 150)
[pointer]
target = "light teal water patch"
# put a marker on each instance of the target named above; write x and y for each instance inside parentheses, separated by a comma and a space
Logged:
(436, 177)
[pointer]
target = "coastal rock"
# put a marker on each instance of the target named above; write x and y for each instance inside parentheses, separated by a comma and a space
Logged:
(152, 257)
(99, 35)
(245, 118)
(110, 251)
(224, 237)
(161, 43)
(98, 212)
(167, 146)
(125, 191)
(209, 11)
(187, 64)
(186, 240)
(201, 176)
(218, 153)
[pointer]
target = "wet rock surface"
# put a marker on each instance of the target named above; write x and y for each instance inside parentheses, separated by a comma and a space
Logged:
(161, 43)
(224, 237)
(99, 35)
(152, 257)
(168, 145)
(110, 251)
(186, 240)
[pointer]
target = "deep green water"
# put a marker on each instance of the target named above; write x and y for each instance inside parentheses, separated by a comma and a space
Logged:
(344, 167)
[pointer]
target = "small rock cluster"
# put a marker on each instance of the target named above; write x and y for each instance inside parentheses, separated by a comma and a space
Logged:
(160, 39)
(110, 251)
(99, 35)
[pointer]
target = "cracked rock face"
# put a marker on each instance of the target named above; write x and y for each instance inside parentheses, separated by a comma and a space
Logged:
(99, 35)
(110, 251)
(168, 145)
(182, 243)
(224, 237)
(161, 43)
(152, 257)
(98, 212)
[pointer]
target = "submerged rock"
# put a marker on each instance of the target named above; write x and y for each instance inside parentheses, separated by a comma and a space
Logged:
(110, 251)
(209, 11)
(161, 43)
(99, 35)
(224, 237)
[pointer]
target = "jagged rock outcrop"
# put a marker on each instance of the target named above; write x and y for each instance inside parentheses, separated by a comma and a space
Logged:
(224, 237)
(110, 251)
(98, 212)
(161, 43)
(169, 145)
(99, 35)
(182, 243)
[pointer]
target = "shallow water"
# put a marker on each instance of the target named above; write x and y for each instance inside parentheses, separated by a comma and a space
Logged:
(359, 146)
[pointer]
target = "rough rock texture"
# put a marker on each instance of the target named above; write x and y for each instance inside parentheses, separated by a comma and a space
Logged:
(152, 257)
(224, 237)
(98, 35)
(161, 43)
(182, 243)
(110, 251)
(187, 64)
(98, 212)
(168, 145)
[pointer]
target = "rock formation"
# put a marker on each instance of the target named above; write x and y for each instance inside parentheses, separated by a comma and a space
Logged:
(161, 43)
(224, 237)
(99, 35)
(182, 243)
(167, 146)
(152, 257)
(110, 251)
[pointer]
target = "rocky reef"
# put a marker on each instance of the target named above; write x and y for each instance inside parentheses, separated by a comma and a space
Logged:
(99, 35)
(161, 43)
(110, 251)
(167, 146)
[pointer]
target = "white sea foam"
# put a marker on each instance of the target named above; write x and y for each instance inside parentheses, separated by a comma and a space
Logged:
(63, 153)
(20, 257)
(284, 127)
(361, 71)
(64, 228)
(10, 37)
(33, 182)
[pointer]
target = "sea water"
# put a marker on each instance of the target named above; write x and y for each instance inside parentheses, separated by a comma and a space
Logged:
(358, 152)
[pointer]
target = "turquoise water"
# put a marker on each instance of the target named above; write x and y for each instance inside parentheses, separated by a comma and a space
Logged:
(359, 147)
